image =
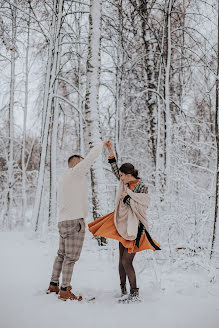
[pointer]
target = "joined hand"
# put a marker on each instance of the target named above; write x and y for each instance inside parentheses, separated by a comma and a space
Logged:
(123, 194)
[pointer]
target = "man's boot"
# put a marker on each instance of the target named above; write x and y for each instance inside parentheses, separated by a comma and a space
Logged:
(53, 288)
(66, 294)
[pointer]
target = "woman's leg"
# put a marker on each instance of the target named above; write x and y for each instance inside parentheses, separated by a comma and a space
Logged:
(122, 272)
(127, 259)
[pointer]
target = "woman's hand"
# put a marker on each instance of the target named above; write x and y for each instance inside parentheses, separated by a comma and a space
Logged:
(123, 194)
(108, 144)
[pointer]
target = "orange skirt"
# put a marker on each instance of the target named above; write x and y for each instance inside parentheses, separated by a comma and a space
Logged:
(105, 227)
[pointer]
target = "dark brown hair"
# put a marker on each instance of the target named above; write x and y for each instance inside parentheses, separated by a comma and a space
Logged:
(128, 168)
(74, 157)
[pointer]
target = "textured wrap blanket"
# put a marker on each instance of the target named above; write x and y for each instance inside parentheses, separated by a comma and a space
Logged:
(126, 218)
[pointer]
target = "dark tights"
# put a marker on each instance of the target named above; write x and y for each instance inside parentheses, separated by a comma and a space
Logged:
(126, 267)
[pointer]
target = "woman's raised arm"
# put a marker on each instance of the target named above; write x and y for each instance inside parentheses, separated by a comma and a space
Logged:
(112, 159)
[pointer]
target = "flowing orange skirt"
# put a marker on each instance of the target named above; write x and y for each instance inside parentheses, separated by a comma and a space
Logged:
(105, 227)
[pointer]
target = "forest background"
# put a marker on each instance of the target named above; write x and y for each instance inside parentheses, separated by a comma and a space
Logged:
(142, 73)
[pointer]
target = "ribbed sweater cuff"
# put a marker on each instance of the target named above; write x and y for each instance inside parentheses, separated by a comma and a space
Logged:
(111, 160)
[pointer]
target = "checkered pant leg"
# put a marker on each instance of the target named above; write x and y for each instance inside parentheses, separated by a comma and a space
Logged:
(57, 266)
(72, 234)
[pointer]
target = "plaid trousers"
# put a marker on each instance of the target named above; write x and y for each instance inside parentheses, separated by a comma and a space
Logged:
(71, 240)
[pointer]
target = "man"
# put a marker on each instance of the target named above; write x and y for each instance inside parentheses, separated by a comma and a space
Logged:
(73, 208)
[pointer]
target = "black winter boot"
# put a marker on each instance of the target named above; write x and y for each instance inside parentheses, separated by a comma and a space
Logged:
(132, 297)
(123, 290)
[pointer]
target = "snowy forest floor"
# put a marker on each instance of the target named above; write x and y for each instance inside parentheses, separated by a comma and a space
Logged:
(184, 298)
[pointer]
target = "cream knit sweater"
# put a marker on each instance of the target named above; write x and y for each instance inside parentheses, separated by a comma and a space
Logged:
(72, 188)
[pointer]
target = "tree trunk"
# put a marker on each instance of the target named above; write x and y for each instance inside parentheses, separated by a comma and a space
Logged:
(80, 101)
(215, 237)
(11, 122)
(93, 135)
(167, 94)
(150, 69)
(52, 72)
(53, 157)
(159, 172)
(23, 165)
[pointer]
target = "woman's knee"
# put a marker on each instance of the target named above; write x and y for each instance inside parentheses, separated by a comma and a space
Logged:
(126, 262)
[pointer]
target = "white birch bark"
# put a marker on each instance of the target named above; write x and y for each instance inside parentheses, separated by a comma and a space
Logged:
(119, 80)
(151, 84)
(53, 155)
(11, 121)
(23, 165)
(79, 68)
(167, 95)
(93, 135)
(118, 123)
(215, 237)
(158, 170)
(52, 71)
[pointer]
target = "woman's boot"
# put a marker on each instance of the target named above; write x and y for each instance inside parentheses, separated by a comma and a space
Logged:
(123, 290)
(132, 297)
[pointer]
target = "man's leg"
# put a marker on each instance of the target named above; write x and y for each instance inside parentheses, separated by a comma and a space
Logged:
(57, 266)
(75, 232)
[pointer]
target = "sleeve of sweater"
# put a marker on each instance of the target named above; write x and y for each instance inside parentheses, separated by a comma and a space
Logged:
(114, 166)
(83, 167)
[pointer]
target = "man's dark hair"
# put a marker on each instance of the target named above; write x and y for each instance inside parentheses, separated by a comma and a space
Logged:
(74, 157)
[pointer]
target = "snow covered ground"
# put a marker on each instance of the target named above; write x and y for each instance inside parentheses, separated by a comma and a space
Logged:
(184, 298)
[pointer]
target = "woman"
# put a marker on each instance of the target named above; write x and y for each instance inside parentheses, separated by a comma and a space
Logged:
(128, 224)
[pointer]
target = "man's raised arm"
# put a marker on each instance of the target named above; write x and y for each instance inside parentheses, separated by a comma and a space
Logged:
(83, 167)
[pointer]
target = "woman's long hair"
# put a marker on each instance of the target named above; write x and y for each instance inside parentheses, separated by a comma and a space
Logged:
(128, 168)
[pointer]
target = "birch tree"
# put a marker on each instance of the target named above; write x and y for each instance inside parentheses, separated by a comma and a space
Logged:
(24, 195)
(168, 51)
(11, 116)
(152, 92)
(50, 91)
(92, 130)
(215, 238)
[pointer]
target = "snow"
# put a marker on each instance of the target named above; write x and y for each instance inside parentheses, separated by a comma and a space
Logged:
(184, 298)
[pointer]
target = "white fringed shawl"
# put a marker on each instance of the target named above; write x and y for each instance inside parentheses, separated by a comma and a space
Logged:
(126, 218)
